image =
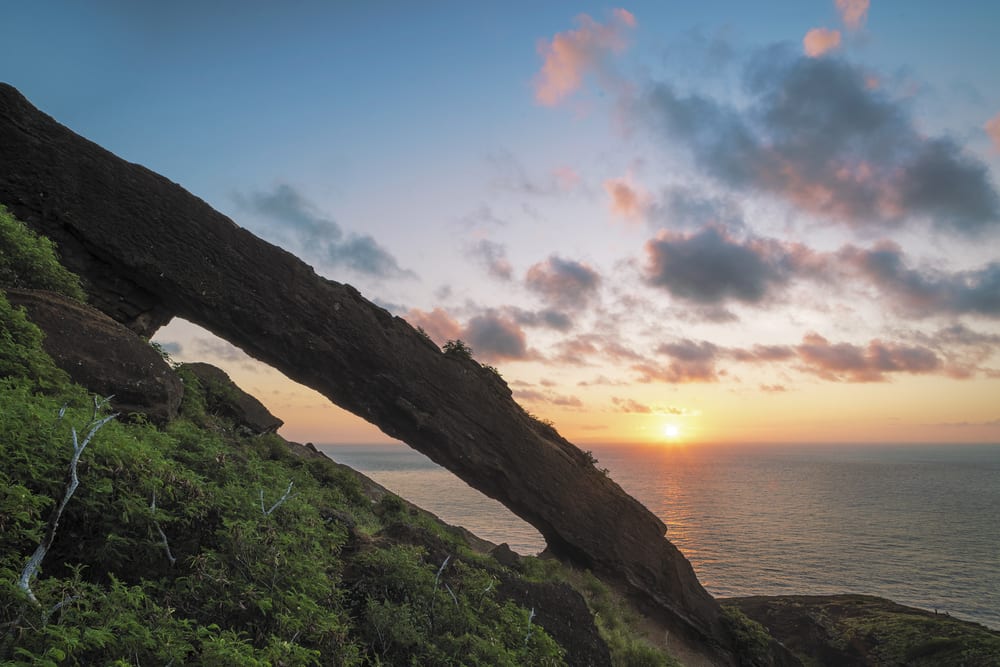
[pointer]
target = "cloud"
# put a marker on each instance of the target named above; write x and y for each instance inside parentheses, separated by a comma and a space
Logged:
(853, 12)
(819, 41)
(926, 292)
(494, 257)
(218, 349)
(709, 266)
(491, 335)
(574, 53)
(580, 350)
(494, 337)
(992, 128)
(437, 324)
(627, 201)
(563, 283)
(635, 407)
(853, 363)
(548, 318)
(941, 353)
(815, 135)
(534, 396)
(687, 207)
(318, 237)
(690, 361)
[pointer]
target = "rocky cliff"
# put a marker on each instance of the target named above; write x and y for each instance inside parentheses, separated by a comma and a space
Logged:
(148, 251)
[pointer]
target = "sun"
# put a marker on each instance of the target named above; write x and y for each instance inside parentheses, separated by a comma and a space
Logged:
(671, 431)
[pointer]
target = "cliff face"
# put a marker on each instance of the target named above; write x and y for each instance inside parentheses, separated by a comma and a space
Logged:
(148, 250)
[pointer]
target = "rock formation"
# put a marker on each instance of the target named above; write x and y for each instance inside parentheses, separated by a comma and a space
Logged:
(225, 398)
(102, 355)
(148, 250)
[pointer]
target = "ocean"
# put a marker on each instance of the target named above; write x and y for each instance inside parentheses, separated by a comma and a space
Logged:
(919, 524)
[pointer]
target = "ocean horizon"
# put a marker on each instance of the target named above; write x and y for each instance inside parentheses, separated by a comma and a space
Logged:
(915, 523)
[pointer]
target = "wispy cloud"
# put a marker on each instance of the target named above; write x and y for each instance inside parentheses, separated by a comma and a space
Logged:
(573, 54)
(853, 12)
(493, 256)
(315, 236)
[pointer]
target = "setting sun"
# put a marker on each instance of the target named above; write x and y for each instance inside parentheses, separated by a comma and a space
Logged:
(671, 431)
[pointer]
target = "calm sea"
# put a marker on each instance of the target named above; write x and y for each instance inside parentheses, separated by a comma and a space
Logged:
(919, 524)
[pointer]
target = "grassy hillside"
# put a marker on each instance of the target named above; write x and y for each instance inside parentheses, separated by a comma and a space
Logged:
(197, 543)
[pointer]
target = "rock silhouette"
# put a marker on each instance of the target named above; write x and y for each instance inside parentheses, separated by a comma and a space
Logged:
(148, 250)
(102, 355)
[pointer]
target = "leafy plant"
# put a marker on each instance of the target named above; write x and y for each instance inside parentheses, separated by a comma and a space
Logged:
(28, 260)
(457, 348)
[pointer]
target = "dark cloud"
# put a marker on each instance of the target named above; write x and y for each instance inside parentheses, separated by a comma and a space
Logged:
(853, 363)
(548, 318)
(318, 237)
(493, 338)
(685, 208)
(710, 267)
(926, 292)
(563, 283)
(817, 134)
(493, 256)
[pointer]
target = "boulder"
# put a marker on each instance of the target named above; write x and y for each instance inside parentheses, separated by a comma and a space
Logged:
(103, 355)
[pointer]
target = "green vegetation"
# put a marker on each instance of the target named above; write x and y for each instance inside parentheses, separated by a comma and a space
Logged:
(188, 544)
(616, 621)
(918, 639)
(29, 261)
(752, 638)
(457, 348)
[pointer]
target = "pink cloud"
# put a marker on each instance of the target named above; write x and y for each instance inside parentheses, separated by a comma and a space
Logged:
(627, 201)
(853, 363)
(572, 54)
(566, 178)
(819, 41)
(992, 128)
(853, 12)
(438, 324)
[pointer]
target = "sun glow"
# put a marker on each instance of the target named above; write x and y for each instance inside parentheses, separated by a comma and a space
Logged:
(671, 431)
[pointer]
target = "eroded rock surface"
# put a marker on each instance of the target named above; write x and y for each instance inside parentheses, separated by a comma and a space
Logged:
(149, 250)
(102, 355)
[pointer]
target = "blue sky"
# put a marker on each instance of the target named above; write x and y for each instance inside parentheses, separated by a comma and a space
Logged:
(748, 221)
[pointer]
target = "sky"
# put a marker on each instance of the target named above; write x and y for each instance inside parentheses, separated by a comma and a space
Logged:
(663, 222)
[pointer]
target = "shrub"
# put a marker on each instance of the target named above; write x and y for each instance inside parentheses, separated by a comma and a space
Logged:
(29, 261)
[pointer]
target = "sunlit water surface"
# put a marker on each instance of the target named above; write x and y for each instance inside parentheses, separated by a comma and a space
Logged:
(919, 524)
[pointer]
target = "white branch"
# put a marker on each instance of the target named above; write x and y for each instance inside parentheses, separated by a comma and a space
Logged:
(35, 562)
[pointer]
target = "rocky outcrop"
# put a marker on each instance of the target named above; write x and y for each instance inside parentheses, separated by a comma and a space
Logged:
(102, 355)
(223, 397)
(149, 250)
